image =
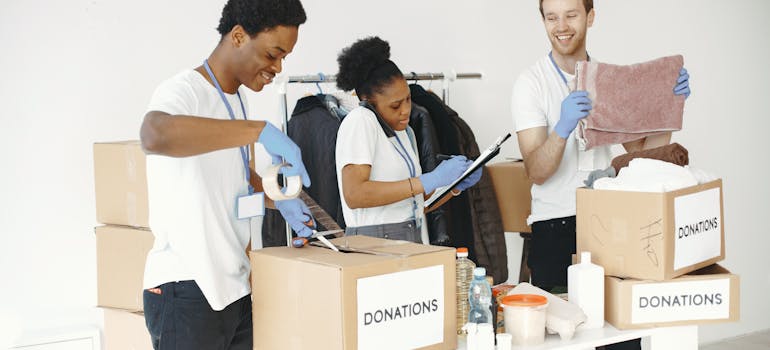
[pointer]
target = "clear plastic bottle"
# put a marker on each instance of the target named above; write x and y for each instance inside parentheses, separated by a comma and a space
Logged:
(480, 298)
(464, 276)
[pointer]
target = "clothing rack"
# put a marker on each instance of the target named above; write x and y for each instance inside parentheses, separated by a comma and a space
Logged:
(283, 81)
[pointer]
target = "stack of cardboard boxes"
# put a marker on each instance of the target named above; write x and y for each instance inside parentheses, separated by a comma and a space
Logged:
(377, 293)
(122, 242)
(659, 252)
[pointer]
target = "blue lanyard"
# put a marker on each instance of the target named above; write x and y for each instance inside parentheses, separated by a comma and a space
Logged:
(244, 149)
(406, 157)
(412, 172)
(558, 70)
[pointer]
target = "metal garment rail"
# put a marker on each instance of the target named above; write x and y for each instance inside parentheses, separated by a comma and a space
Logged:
(283, 81)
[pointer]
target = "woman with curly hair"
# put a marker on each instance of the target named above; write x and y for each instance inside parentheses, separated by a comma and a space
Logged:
(378, 167)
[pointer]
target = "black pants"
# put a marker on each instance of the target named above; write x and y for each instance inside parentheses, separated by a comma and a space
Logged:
(551, 249)
(181, 318)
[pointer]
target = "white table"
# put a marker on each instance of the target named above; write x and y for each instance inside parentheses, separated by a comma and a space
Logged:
(665, 338)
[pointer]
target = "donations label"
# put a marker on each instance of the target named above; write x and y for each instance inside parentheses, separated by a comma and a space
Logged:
(680, 301)
(697, 227)
(401, 310)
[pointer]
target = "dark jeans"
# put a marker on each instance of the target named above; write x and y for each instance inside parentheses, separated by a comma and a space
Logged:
(551, 249)
(181, 318)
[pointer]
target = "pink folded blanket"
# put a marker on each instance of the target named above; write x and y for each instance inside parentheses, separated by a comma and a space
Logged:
(629, 102)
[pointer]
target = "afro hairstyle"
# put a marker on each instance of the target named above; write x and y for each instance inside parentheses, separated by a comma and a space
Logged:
(256, 16)
(365, 66)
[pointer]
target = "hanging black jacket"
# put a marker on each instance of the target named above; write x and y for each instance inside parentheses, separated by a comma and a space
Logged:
(457, 210)
(428, 146)
(475, 210)
(314, 129)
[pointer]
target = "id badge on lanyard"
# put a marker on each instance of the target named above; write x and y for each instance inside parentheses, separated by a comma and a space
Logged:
(251, 204)
(416, 209)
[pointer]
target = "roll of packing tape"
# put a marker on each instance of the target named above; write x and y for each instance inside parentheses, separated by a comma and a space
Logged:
(273, 190)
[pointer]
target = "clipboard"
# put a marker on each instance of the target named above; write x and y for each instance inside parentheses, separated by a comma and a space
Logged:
(483, 158)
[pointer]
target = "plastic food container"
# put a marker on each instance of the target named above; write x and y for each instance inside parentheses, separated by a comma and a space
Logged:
(525, 318)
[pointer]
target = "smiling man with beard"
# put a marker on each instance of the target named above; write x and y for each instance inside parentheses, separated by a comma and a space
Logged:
(545, 113)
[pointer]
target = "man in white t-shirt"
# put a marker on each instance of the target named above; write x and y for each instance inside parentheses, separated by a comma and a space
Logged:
(203, 190)
(545, 113)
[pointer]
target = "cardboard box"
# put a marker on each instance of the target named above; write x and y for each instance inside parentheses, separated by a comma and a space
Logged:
(387, 295)
(124, 330)
(708, 295)
(512, 188)
(120, 256)
(654, 236)
(121, 184)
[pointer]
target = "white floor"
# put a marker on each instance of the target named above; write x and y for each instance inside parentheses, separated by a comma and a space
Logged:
(754, 341)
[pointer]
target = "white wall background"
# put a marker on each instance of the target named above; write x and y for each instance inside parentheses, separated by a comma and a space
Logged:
(79, 71)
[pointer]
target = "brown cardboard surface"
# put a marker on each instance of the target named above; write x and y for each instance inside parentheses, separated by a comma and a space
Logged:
(120, 256)
(512, 187)
(293, 289)
(124, 330)
(632, 234)
(120, 184)
(619, 299)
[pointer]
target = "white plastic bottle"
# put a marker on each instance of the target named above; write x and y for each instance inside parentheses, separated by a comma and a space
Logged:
(585, 287)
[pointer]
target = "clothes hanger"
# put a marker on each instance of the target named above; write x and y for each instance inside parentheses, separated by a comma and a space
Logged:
(318, 84)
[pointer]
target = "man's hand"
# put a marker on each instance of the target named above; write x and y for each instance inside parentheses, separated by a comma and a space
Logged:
(574, 107)
(683, 84)
(279, 145)
(297, 214)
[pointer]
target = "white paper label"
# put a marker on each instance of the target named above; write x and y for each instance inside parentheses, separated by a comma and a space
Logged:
(401, 310)
(680, 301)
(697, 228)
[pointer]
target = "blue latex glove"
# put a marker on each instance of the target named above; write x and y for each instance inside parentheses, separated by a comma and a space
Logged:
(469, 181)
(683, 84)
(445, 173)
(297, 214)
(279, 145)
(574, 107)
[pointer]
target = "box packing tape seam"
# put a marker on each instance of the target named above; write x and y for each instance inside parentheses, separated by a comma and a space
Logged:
(131, 211)
(130, 165)
(273, 190)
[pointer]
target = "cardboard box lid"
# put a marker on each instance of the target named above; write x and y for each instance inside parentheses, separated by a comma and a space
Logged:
(369, 250)
(126, 142)
(674, 193)
(711, 271)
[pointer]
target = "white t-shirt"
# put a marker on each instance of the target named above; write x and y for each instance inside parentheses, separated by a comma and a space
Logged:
(361, 140)
(192, 202)
(536, 102)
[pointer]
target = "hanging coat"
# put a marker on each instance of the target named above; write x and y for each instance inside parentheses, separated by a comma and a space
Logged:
(474, 218)
(313, 127)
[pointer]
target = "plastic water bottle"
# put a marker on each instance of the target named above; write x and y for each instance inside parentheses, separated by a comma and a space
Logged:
(585, 285)
(480, 298)
(464, 276)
